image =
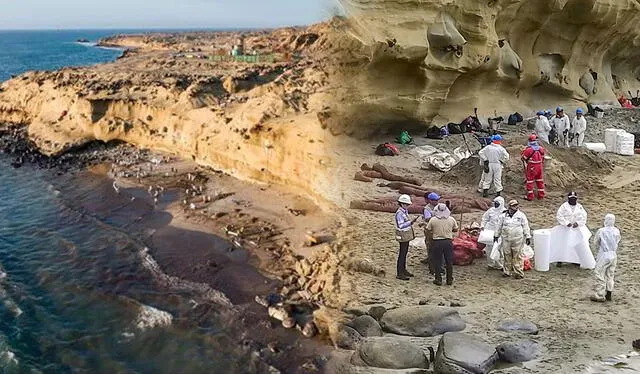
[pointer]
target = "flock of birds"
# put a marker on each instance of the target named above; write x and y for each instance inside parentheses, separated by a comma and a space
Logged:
(156, 192)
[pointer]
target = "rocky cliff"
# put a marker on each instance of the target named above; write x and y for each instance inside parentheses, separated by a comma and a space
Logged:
(257, 121)
(438, 59)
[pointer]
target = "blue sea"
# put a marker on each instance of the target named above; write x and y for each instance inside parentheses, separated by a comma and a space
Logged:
(21, 51)
(83, 281)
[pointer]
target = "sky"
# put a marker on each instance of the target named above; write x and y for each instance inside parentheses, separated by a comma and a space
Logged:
(144, 14)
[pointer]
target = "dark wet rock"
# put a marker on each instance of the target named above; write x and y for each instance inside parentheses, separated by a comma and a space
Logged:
(356, 311)
(347, 338)
(422, 320)
(389, 353)
(15, 142)
(460, 353)
(517, 325)
(519, 351)
(367, 326)
(377, 312)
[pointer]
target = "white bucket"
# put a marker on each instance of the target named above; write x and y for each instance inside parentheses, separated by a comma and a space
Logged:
(486, 237)
(542, 249)
(596, 147)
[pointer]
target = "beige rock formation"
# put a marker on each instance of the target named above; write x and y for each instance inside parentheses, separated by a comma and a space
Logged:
(436, 60)
(256, 121)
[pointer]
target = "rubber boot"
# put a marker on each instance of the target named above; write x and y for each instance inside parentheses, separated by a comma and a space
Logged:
(485, 193)
(608, 296)
(499, 193)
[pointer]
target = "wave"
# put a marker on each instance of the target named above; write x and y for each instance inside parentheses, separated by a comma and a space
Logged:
(181, 285)
(6, 299)
(7, 357)
(96, 45)
(150, 317)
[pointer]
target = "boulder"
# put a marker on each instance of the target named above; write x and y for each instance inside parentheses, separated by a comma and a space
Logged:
(367, 326)
(518, 325)
(422, 320)
(377, 312)
(460, 353)
(347, 338)
(389, 353)
(519, 351)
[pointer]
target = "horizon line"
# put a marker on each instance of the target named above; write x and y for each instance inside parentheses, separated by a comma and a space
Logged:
(169, 28)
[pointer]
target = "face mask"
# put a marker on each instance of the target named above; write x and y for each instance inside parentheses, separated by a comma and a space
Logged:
(573, 201)
(496, 204)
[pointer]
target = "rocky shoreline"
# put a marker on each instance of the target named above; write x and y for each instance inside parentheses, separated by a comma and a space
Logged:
(296, 290)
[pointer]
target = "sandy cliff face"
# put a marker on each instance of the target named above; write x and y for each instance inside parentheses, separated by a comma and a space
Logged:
(498, 55)
(257, 121)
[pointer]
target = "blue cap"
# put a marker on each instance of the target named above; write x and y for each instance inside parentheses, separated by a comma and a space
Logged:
(548, 111)
(540, 112)
(559, 109)
(433, 196)
(579, 111)
(496, 138)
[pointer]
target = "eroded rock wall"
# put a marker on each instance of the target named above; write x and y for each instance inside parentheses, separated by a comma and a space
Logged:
(438, 59)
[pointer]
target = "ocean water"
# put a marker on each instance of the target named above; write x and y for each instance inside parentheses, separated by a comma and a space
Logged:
(79, 292)
(80, 288)
(21, 51)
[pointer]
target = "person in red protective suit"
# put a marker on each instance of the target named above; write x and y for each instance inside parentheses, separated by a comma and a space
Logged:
(533, 160)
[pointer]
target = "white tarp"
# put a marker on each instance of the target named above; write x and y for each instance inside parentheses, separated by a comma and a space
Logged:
(571, 245)
(431, 157)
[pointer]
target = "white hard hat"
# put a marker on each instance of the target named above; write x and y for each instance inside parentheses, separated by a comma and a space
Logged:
(405, 199)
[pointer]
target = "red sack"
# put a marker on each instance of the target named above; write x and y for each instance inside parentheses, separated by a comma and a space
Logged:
(462, 257)
(470, 243)
(527, 264)
(393, 148)
(464, 250)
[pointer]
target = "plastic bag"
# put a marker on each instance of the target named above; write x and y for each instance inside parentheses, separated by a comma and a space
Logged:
(527, 251)
(496, 255)
(486, 237)
(527, 264)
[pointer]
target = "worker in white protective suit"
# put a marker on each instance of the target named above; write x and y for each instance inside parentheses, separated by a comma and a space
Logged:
(515, 232)
(491, 222)
(607, 240)
(484, 175)
(562, 125)
(493, 156)
(578, 127)
(570, 238)
(542, 127)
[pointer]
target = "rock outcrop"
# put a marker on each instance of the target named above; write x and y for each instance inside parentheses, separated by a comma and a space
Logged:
(389, 353)
(256, 121)
(367, 326)
(517, 325)
(518, 351)
(422, 321)
(460, 353)
(435, 60)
